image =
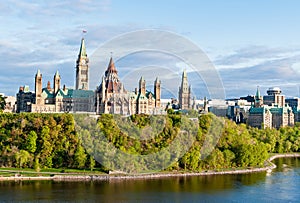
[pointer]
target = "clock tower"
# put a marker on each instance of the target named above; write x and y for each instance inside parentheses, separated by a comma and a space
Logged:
(82, 68)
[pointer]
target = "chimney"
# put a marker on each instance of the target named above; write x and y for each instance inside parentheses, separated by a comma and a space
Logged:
(48, 86)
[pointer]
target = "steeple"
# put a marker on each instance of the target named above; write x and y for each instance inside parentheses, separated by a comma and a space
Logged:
(258, 99)
(257, 95)
(82, 68)
(111, 67)
(82, 50)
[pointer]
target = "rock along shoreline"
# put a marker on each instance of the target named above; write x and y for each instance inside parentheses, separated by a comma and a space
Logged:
(269, 167)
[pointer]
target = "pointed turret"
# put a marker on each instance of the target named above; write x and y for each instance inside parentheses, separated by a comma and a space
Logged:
(82, 50)
(184, 75)
(184, 92)
(257, 95)
(111, 78)
(111, 67)
(258, 99)
(56, 82)
(38, 73)
(57, 74)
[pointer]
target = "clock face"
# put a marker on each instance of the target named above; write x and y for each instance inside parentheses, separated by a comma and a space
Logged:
(83, 62)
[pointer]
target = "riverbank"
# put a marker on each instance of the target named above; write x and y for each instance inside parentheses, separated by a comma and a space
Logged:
(67, 177)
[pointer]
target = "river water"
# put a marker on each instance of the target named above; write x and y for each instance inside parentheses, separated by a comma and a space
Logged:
(282, 185)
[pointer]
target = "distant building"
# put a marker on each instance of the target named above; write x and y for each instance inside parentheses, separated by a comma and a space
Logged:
(54, 99)
(265, 114)
(260, 117)
(184, 93)
(10, 106)
(10, 103)
(274, 97)
(294, 103)
(25, 98)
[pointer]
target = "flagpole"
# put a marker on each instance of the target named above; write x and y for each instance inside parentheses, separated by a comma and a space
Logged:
(83, 33)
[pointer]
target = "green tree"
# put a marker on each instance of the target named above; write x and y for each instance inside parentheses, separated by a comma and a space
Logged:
(2, 103)
(31, 142)
(22, 157)
(80, 156)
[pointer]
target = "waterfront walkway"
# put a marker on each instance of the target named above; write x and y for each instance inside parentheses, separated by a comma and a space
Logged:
(269, 166)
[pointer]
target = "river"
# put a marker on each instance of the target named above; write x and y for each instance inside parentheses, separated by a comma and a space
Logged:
(282, 185)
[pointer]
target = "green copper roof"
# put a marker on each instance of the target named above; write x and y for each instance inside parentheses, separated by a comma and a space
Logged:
(280, 110)
(49, 94)
(79, 93)
(82, 51)
(255, 110)
(70, 93)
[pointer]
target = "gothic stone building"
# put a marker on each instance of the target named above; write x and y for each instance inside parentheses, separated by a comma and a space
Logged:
(56, 99)
(184, 93)
(112, 98)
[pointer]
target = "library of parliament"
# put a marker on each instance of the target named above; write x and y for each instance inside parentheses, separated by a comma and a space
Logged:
(110, 97)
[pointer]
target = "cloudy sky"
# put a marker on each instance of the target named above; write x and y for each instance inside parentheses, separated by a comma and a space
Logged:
(250, 43)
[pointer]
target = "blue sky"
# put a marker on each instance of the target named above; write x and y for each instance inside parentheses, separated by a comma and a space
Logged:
(250, 42)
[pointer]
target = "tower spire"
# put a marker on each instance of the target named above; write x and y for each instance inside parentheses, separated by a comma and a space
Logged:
(82, 68)
(184, 93)
(82, 50)
(258, 98)
(257, 95)
(111, 67)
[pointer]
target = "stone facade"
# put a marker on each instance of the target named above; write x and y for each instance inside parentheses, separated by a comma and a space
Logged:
(112, 98)
(56, 99)
(82, 69)
(184, 93)
(273, 115)
(260, 117)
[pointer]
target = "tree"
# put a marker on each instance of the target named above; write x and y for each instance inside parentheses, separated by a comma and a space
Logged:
(31, 141)
(2, 103)
(22, 158)
(80, 156)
